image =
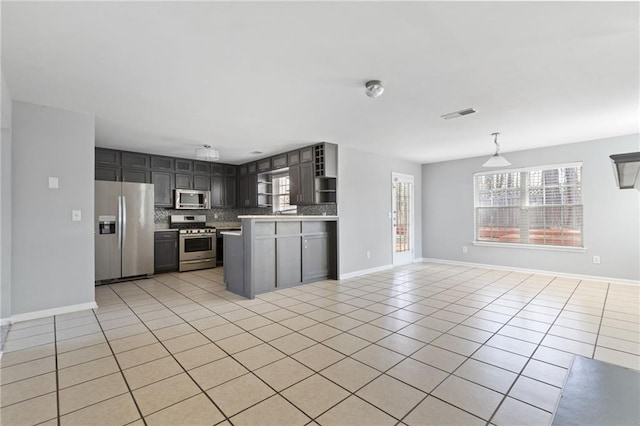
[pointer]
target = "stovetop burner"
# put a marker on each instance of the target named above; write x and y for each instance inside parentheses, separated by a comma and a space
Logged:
(191, 224)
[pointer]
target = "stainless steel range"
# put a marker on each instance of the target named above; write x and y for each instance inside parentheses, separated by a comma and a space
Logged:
(197, 242)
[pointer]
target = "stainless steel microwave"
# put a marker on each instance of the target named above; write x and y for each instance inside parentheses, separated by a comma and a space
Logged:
(186, 199)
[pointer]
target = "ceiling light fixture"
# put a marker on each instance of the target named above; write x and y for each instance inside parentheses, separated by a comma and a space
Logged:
(496, 160)
(206, 153)
(627, 170)
(373, 88)
(460, 113)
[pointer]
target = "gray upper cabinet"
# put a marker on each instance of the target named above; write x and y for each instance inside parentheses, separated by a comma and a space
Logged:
(184, 181)
(306, 154)
(134, 160)
(252, 168)
(279, 162)
(201, 167)
(108, 173)
(162, 163)
(163, 186)
(201, 182)
(230, 171)
(264, 165)
(217, 169)
(136, 176)
(107, 157)
(184, 166)
(301, 184)
(293, 158)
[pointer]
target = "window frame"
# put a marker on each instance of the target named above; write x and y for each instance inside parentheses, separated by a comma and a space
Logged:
(533, 246)
(292, 208)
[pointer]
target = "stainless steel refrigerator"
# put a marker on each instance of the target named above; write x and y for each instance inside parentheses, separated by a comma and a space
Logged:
(124, 229)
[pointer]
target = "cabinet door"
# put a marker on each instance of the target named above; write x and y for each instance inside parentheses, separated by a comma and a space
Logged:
(162, 163)
(184, 181)
(201, 167)
(163, 186)
(217, 169)
(229, 193)
(264, 165)
(165, 251)
(306, 155)
(217, 188)
(315, 262)
(293, 158)
(243, 191)
(107, 157)
(279, 162)
(252, 188)
(108, 173)
(201, 182)
(230, 171)
(136, 176)
(185, 166)
(288, 258)
(306, 183)
(134, 160)
(294, 185)
(252, 168)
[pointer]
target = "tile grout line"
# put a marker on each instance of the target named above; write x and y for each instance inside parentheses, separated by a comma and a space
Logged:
(55, 352)
(524, 367)
(226, 417)
(126, 382)
(604, 306)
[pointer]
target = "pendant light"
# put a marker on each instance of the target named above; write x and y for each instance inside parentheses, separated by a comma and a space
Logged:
(206, 153)
(496, 160)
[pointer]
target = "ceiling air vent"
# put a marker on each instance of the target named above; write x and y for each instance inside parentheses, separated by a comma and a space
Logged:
(457, 114)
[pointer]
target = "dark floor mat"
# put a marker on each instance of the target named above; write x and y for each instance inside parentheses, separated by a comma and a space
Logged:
(598, 393)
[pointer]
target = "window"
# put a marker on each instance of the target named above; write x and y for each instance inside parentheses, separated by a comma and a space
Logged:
(537, 206)
(280, 185)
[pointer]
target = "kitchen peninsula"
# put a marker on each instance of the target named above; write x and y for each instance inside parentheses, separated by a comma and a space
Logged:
(277, 252)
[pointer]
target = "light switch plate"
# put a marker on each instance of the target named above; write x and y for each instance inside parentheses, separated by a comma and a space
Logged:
(53, 182)
(76, 215)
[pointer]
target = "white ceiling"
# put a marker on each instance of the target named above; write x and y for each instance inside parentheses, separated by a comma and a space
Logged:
(167, 77)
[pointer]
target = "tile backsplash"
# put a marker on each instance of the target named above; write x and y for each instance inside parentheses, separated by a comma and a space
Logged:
(161, 215)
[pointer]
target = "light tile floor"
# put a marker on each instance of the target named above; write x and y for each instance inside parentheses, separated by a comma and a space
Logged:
(416, 345)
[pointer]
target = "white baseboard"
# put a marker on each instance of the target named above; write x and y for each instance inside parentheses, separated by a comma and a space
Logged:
(54, 311)
(535, 271)
(365, 272)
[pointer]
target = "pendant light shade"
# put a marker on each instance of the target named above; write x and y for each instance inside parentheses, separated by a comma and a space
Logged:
(496, 160)
(206, 153)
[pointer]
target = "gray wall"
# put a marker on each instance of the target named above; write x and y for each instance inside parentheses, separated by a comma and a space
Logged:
(364, 202)
(611, 216)
(53, 258)
(5, 205)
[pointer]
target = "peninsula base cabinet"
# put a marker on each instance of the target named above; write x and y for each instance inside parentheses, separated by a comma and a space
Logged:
(280, 252)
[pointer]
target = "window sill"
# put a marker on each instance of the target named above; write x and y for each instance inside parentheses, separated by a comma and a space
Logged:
(531, 246)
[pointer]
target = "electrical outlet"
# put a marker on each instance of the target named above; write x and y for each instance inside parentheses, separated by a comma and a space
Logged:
(596, 259)
(215, 215)
(53, 182)
(465, 249)
(368, 254)
(76, 215)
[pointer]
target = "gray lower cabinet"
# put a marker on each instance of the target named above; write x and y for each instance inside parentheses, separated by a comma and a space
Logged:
(279, 252)
(165, 251)
(315, 262)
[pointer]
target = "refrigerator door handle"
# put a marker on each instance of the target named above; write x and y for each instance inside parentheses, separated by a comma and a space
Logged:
(124, 221)
(119, 225)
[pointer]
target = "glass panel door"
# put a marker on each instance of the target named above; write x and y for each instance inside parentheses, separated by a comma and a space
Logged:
(402, 215)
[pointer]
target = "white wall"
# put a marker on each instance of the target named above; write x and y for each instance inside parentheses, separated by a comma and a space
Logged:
(53, 257)
(611, 215)
(5, 205)
(364, 203)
